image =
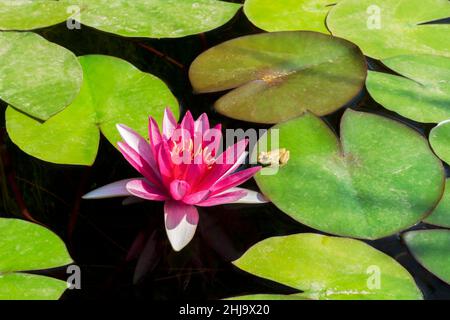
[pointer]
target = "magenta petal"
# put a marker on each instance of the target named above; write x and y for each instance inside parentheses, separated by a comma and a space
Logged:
(169, 123)
(137, 143)
(139, 163)
(251, 197)
(181, 222)
(188, 123)
(196, 197)
(178, 189)
(234, 180)
(154, 135)
(221, 168)
(201, 124)
(223, 198)
(112, 190)
(143, 189)
(165, 163)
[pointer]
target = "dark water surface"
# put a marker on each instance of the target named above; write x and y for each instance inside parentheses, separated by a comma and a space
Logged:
(99, 234)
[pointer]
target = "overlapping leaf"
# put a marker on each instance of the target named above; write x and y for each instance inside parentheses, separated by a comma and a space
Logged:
(440, 140)
(379, 179)
(113, 92)
(278, 76)
(28, 247)
(329, 268)
(289, 15)
(32, 14)
(37, 77)
(441, 215)
(431, 249)
(387, 28)
(420, 92)
(137, 18)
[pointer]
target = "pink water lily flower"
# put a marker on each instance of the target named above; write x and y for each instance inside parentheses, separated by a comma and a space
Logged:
(182, 167)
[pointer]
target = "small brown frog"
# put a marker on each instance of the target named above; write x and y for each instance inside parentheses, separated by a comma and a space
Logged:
(273, 158)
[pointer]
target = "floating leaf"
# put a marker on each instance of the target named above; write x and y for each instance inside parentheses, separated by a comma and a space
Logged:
(387, 28)
(441, 215)
(26, 246)
(113, 92)
(32, 14)
(440, 140)
(270, 297)
(421, 93)
(379, 179)
(157, 18)
(37, 77)
(431, 249)
(288, 15)
(137, 18)
(329, 268)
(278, 76)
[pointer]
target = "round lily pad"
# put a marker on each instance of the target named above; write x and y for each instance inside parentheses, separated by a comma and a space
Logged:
(26, 246)
(137, 18)
(270, 297)
(380, 178)
(441, 215)
(440, 140)
(32, 14)
(157, 18)
(37, 77)
(387, 28)
(278, 76)
(113, 92)
(420, 91)
(329, 268)
(289, 15)
(431, 249)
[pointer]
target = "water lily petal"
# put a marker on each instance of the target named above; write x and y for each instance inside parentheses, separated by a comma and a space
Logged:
(112, 190)
(234, 180)
(178, 189)
(154, 134)
(188, 124)
(143, 189)
(196, 197)
(169, 123)
(181, 222)
(223, 198)
(226, 164)
(165, 163)
(137, 143)
(201, 124)
(252, 197)
(139, 163)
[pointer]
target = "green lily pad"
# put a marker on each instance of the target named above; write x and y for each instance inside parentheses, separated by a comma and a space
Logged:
(278, 76)
(37, 77)
(137, 18)
(157, 18)
(380, 178)
(387, 28)
(289, 15)
(440, 140)
(441, 215)
(113, 92)
(26, 246)
(329, 268)
(270, 297)
(32, 14)
(421, 93)
(431, 249)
